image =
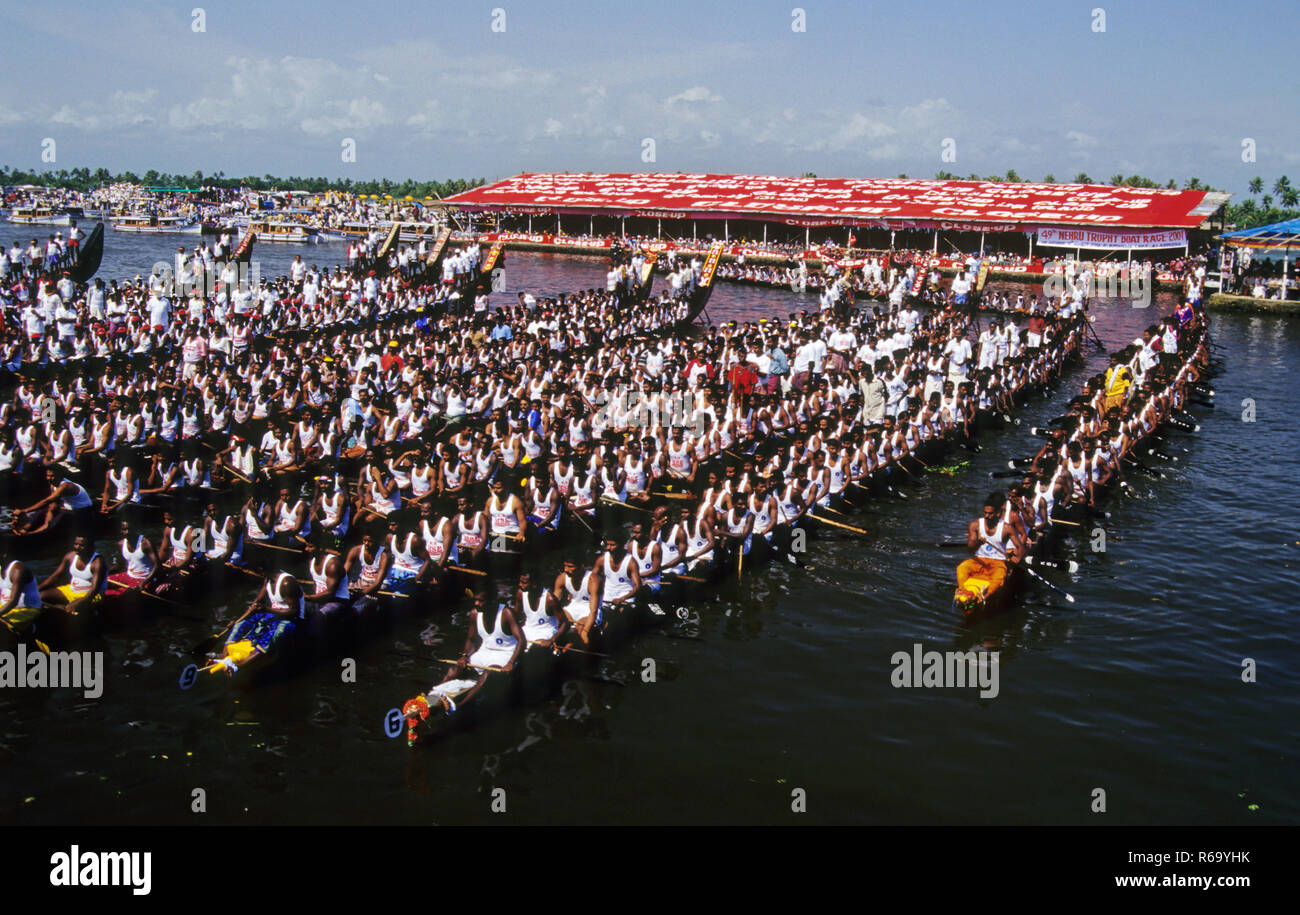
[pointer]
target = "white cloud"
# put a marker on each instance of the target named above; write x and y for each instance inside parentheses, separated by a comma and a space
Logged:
(692, 95)
(120, 111)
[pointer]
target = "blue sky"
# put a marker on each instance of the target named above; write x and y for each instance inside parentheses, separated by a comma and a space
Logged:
(428, 90)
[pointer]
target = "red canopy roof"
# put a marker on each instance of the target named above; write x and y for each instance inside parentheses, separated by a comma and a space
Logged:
(884, 202)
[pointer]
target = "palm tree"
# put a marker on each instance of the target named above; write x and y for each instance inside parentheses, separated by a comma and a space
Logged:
(1280, 185)
(1193, 184)
(1117, 180)
(1267, 202)
(1082, 178)
(1290, 197)
(1012, 177)
(1049, 178)
(1256, 186)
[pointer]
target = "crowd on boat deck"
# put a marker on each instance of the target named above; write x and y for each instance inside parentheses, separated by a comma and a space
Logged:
(399, 420)
(1111, 425)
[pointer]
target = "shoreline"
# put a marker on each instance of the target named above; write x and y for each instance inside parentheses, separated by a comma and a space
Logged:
(1249, 304)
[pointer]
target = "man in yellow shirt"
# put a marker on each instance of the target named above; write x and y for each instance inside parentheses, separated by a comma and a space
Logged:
(1119, 377)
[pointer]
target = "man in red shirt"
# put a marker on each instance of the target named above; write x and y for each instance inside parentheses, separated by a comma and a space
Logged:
(742, 378)
(391, 358)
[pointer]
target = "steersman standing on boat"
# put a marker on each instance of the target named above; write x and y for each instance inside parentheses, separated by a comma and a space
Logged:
(995, 543)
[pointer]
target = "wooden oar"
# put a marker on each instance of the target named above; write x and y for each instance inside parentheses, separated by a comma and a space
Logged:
(467, 570)
(271, 546)
(846, 527)
(1068, 523)
(1069, 565)
(1066, 594)
(231, 565)
(233, 472)
(578, 514)
(456, 663)
(564, 649)
(612, 501)
(203, 646)
(833, 511)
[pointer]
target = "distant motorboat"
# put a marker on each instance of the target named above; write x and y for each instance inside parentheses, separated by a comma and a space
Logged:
(269, 230)
(159, 225)
(45, 215)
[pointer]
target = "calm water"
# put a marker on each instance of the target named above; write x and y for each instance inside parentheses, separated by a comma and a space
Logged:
(783, 681)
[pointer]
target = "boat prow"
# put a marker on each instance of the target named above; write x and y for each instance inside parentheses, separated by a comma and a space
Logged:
(244, 250)
(92, 253)
(983, 587)
(704, 288)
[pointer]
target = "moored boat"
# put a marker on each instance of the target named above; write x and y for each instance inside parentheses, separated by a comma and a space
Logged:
(143, 223)
(275, 230)
(43, 215)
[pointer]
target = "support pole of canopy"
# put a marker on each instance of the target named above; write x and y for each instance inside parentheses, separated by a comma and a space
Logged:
(1286, 262)
(935, 249)
(622, 226)
(558, 230)
(981, 244)
(591, 225)
(1128, 260)
(695, 235)
(659, 228)
(891, 240)
(1031, 245)
(807, 238)
(764, 233)
(530, 223)
(726, 232)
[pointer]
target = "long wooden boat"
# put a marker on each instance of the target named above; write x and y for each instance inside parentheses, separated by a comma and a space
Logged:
(980, 596)
(704, 288)
(387, 248)
(445, 707)
(243, 252)
(90, 256)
